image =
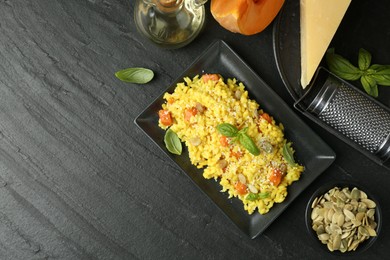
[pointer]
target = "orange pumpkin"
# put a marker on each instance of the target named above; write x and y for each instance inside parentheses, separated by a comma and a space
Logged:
(245, 16)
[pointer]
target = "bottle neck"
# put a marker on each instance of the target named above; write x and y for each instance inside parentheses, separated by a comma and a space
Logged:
(168, 5)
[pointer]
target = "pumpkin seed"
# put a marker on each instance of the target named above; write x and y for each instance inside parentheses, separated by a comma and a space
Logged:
(320, 229)
(328, 204)
(354, 245)
(336, 229)
(345, 234)
(373, 225)
(314, 213)
(370, 213)
(349, 207)
(350, 241)
(315, 202)
(370, 204)
(347, 225)
(362, 207)
(326, 196)
(252, 188)
(371, 231)
(330, 214)
(340, 220)
(355, 193)
(324, 237)
(195, 141)
(356, 222)
(360, 215)
(349, 214)
(330, 246)
(336, 242)
(343, 246)
(341, 196)
(363, 231)
(354, 203)
(328, 229)
(242, 179)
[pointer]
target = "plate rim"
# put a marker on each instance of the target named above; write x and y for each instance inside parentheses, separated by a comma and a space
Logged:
(276, 52)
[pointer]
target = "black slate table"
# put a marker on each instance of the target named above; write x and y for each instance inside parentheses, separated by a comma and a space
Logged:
(79, 180)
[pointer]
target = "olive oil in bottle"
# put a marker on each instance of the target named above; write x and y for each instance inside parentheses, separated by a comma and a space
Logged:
(170, 23)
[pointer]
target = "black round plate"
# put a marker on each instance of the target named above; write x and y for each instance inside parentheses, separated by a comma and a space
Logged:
(365, 25)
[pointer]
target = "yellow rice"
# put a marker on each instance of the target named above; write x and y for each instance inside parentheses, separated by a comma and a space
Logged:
(229, 103)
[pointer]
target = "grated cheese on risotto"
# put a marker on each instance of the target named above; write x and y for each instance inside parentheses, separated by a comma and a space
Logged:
(195, 109)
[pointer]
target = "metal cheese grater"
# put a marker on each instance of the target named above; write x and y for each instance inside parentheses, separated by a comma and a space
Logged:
(353, 114)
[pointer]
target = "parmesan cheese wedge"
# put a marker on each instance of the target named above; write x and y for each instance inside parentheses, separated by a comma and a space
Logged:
(319, 22)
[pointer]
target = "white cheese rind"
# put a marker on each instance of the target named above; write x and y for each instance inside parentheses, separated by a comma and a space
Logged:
(319, 22)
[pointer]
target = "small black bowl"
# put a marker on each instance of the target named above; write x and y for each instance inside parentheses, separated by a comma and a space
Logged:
(324, 189)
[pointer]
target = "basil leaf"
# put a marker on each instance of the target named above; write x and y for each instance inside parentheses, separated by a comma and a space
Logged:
(255, 196)
(135, 75)
(379, 68)
(374, 91)
(364, 59)
(383, 80)
(248, 143)
(369, 84)
(341, 66)
(172, 142)
(288, 154)
(381, 74)
(227, 130)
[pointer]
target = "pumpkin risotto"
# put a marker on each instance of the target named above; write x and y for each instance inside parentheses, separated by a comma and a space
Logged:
(198, 109)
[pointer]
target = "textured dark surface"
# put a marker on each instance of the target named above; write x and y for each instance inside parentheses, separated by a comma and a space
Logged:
(78, 180)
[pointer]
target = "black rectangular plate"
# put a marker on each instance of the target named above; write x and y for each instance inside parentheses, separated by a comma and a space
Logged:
(311, 151)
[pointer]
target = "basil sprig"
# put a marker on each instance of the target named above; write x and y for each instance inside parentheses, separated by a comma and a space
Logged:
(135, 75)
(370, 75)
(172, 142)
(240, 136)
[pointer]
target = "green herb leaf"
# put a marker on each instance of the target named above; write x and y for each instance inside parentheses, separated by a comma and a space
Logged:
(370, 76)
(383, 80)
(248, 143)
(341, 66)
(255, 196)
(369, 84)
(364, 59)
(379, 68)
(230, 130)
(227, 130)
(381, 74)
(135, 75)
(172, 142)
(288, 154)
